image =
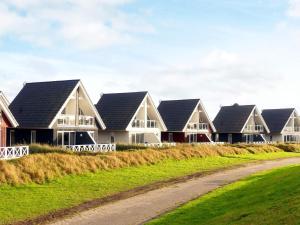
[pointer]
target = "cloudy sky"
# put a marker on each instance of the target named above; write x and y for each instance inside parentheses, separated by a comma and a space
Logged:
(223, 51)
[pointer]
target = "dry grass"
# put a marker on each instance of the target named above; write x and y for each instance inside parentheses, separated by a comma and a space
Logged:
(40, 168)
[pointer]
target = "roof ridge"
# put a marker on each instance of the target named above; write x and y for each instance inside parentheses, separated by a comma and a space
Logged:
(173, 100)
(54, 81)
(133, 92)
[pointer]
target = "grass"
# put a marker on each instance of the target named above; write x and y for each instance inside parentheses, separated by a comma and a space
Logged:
(49, 163)
(271, 197)
(30, 200)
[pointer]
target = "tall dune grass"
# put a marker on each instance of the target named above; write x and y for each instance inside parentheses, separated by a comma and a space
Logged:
(40, 168)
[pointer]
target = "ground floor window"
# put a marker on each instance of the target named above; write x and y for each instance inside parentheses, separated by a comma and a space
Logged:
(192, 138)
(291, 138)
(66, 138)
(230, 138)
(249, 138)
(137, 138)
(33, 137)
(12, 138)
(170, 138)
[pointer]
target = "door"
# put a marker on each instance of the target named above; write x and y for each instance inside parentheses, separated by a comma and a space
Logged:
(66, 138)
(249, 138)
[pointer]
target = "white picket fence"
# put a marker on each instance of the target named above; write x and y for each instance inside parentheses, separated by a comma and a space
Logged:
(159, 145)
(262, 142)
(7, 153)
(210, 143)
(92, 148)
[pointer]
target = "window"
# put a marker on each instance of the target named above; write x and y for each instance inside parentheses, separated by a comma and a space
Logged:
(192, 138)
(112, 139)
(12, 138)
(59, 138)
(33, 137)
(66, 138)
(230, 138)
(137, 138)
(249, 138)
(171, 138)
(217, 138)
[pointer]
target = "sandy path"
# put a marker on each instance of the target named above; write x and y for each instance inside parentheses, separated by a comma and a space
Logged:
(141, 208)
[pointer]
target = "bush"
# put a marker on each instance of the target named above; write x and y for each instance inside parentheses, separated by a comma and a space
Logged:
(55, 162)
(43, 148)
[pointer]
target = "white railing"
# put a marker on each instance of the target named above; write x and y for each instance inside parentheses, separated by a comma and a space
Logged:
(92, 148)
(141, 124)
(66, 120)
(7, 153)
(151, 124)
(138, 124)
(86, 121)
(262, 142)
(159, 145)
(197, 126)
(254, 128)
(210, 143)
(292, 129)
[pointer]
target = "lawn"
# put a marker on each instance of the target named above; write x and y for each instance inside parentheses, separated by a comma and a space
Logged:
(31, 200)
(271, 197)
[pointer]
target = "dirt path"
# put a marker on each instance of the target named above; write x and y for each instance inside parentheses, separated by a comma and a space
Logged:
(141, 208)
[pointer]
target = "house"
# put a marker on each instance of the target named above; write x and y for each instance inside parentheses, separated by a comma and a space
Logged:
(130, 118)
(186, 121)
(7, 120)
(284, 124)
(55, 113)
(240, 123)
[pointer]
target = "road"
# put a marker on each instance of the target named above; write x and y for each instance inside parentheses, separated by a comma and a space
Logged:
(143, 207)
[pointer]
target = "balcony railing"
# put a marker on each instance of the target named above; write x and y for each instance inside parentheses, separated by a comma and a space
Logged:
(141, 124)
(197, 126)
(66, 120)
(138, 124)
(88, 121)
(151, 124)
(292, 129)
(254, 128)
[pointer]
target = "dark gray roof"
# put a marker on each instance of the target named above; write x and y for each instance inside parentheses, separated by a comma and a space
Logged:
(232, 119)
(117, 109)
(176, 113)
(276, 119)
(37, 104)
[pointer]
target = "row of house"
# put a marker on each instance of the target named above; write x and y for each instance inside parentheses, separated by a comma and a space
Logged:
(62, 113)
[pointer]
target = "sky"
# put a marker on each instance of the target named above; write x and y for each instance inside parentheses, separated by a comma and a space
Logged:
(222, 51)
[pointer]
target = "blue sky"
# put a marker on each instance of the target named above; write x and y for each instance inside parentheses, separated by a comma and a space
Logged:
(223, 51)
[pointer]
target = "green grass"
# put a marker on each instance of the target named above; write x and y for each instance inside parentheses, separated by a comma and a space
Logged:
(271, 197)
(27, 201)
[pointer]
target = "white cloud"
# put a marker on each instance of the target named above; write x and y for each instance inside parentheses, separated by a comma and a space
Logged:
(294, 8)
(219, 77)
(85, 24)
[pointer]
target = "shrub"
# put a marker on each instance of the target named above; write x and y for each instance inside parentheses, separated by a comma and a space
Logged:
(54, 162)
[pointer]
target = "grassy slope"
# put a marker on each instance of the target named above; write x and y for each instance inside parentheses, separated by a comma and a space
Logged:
(26, 201)
(267, 198)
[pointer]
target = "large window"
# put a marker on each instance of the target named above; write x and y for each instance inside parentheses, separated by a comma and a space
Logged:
(291, 138)
(138, 138)
(192, 138)
(66, 138)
